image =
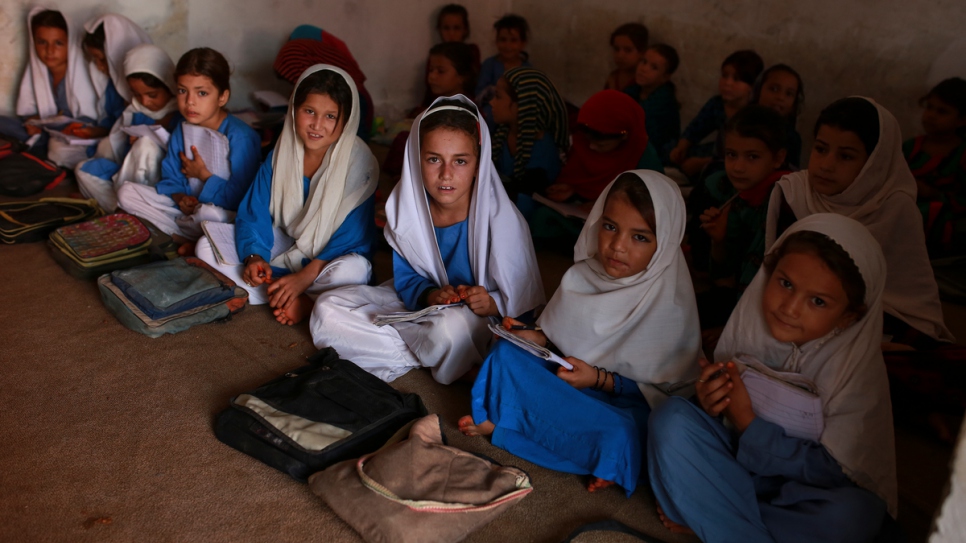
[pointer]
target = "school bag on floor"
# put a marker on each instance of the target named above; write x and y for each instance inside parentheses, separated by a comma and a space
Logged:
(312, 417)
(91, 248)
(23, 174)
(170, 296)
(25, 222)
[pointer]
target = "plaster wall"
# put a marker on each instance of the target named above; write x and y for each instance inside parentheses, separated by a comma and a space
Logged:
(892, 50)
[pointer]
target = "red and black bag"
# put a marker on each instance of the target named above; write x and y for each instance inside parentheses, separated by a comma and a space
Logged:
(23, 174)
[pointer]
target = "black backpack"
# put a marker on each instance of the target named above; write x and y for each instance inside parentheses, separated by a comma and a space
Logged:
(24, 222)
(334, 409)
(23, 174)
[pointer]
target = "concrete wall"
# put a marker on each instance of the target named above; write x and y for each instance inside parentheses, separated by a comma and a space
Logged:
(892, 50)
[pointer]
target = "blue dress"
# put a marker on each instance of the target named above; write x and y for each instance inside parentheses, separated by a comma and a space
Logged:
(761, 486)
(453, 243)
(114, 106)
(543, 156)
(710, 119)
(542, 419)
(244, 152)
(254, 233)
(662, 117)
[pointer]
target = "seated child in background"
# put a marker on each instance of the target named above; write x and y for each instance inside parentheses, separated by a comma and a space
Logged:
(453, 26)
(657, 94)
(814, 310)
(610, 138)
(456, 237)
(531, 131)
(511, 40)
(625, 317)
(754, 154)
(781, 88)
(938, 162)
(628, 42)
(738, 74)
(149, 73)
(55, 82)
(309, 45)
(316, 192)
(857, 169)
(188, 192)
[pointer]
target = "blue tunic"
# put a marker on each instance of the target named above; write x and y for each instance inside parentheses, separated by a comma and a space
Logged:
(542, 419)
(761, 486)
(544, 155)
(244, 152)
(662, 117)
(453, 245)
(710, 119)
(114, 106)
(254, 232)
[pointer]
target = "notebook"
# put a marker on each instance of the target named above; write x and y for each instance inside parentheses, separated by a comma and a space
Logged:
(212, 145)
(154, 132)
(530, 346)
(221, 235)
(789, 400)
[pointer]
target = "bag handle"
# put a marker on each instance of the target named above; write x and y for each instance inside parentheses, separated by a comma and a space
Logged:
(431, 506)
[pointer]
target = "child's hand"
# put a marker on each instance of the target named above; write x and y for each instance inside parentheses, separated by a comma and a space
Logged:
(90, 132)
(535, 336)
(286, 289)
(73, 128)
(559, 192)
(738, 410)
(187, 204)
(194, 167)
(582, 376)
(31, 129)
(257, 271)
(714, 221)
(713, 392)
(680, 151)
(478, 300)
(445, 295)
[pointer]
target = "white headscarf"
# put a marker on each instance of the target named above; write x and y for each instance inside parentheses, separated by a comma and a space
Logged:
(149, 59)
(347, 177)
(644, 327)
(501, 252)
(120, 35)
(846, 366)
(36, 94)
(883, 198)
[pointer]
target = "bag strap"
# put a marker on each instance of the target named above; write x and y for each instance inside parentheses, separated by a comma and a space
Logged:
(431, 506)
(611, 525)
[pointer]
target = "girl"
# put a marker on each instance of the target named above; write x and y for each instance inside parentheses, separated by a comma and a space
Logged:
(938, 162)
(625, 315)
(628, 42)
(656, 93)
(453, 26)
(857, 169)
(610, 138)
(814, 310)
(781, 89)
(754, 153)
(531, 135)
(738, 74)
(309, 45)
(455, 237)
(314, 191)
(511, 42)
(189, 192)
(55, 81)
(149, 73)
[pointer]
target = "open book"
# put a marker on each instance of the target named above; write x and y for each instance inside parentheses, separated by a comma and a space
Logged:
(222, 238)
(529, 346)
(154, 132)
(407, 316)
(567, 210)
(789, 400)
(212, 145)
(71, 139)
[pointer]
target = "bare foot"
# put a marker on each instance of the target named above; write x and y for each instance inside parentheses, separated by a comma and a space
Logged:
(596, 483)
(674, 527)
(466, 425)
(295, 311)
(187, 249)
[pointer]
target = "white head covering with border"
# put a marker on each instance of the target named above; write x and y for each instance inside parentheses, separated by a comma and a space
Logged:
(36, 94)
(644, 327)
(846, 365)
(501, 251)
(883, 198)
(347, 176)
(120, 35)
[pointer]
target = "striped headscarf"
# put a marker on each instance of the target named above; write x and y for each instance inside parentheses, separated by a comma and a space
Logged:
(540, 109)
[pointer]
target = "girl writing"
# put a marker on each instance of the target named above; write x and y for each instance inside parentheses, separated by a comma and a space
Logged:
(149, 73)
(625, 315)
(814, 313)
(188, 192)
(315, 192)
(456, 237)
(628, 42)
(657, 95)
